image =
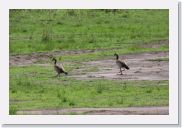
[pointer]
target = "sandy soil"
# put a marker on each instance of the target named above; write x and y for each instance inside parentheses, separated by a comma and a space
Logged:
(101, 111)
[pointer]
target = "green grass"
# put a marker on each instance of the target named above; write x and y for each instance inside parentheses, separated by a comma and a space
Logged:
(108, 53)
(34, 88)
(50, 30)
(160, 59)
(13, 109)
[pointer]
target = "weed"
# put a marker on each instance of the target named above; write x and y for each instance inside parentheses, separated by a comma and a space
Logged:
(71, 103)
(100, 88)
(14, 91)
(149, 90)
(46, 35)
(64, 99)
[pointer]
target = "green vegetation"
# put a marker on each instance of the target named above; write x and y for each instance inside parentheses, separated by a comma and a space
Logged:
(13, 109)
(160, 59)
(50, 30)
(33, 88)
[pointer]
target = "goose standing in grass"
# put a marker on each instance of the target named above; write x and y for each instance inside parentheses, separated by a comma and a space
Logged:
(58, 69)
(121, 64)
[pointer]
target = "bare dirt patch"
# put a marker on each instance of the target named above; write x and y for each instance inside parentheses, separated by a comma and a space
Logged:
(100, 111)
(29, 59)
(140, 68)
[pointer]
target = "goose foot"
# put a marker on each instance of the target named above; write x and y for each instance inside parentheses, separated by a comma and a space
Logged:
(120, 74)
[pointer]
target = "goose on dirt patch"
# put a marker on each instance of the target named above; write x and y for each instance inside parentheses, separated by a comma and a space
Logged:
(58, 69)
(121, 64)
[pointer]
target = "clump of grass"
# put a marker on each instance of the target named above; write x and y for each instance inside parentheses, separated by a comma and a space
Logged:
(99, 88)
(23, 83)
(92, 40)
(71, 103)
(14, 91)
(47, 33)
(159, 59)
(149, 90)
(64, 99)
(13, 109)
(125, 16)
(120, 101)
(24, 30)
(46, 36)
(60, 23)
(61, 96)
(124, 87)
(42, 90)
(71, 12)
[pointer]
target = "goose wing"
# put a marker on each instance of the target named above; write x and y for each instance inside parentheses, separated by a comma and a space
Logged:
(61, 66)
(122, 64)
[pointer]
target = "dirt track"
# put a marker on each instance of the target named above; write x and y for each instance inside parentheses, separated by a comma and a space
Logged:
(101, 111)
(141, 68)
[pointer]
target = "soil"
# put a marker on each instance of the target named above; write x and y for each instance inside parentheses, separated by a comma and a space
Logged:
(100, 111)
(29, 59)
(141, 68)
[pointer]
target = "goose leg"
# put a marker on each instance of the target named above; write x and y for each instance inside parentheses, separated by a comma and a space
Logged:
(122, 71)
(119, 70)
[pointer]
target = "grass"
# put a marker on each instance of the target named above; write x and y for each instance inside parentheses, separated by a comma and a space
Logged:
(13, 109)
(50, 30)
(160, 59)
(75, 59)
(33, 88)
(107, 53)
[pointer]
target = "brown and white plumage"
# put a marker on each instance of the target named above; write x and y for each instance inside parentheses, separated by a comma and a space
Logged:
(121, 64)
(58, 69)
